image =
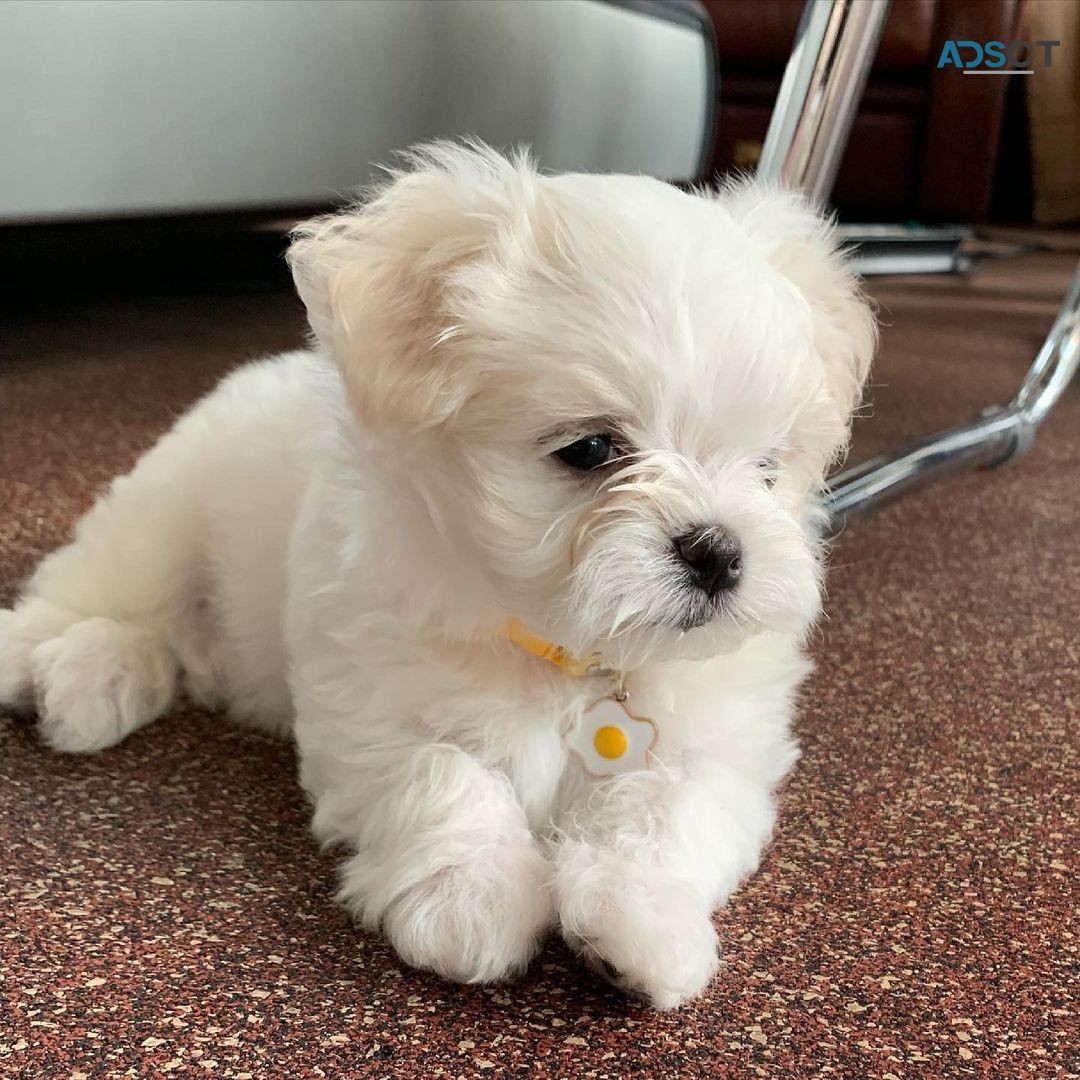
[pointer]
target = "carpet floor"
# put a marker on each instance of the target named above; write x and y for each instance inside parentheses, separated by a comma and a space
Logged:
(164, 911)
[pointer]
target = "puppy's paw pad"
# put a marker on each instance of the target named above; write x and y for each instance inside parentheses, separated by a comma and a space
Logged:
(98, 681)
(654, 942)
(658, 978)
(605, 969)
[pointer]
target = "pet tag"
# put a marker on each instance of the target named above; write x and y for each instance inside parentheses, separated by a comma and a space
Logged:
(610, 740)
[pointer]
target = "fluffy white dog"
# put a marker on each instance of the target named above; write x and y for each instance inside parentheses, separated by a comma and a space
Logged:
(585, 411)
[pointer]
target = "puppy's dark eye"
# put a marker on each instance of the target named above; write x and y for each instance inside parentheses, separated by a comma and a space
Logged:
(588, 453)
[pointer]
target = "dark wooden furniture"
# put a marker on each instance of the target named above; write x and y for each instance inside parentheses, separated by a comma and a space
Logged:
(925, 143)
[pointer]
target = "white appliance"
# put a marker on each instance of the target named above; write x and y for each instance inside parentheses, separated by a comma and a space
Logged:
(112, 108)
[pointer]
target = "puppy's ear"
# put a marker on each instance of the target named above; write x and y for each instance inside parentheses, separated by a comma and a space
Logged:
(374, 277)
(802, 245)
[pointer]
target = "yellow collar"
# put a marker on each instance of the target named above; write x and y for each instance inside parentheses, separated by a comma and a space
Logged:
(575, 666)
(605, 736)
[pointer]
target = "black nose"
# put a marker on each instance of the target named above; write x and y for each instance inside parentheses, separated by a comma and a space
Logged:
(713, 557)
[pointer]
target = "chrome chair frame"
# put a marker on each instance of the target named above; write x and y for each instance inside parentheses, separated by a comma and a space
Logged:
(822, 85)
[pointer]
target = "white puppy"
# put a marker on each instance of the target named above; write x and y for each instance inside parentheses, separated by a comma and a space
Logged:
(590, 410)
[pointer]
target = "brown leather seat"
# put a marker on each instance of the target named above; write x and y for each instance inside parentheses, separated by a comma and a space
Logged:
(925, 142)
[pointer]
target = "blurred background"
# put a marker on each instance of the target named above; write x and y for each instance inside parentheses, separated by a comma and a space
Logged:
(175, 141)
(927, 145)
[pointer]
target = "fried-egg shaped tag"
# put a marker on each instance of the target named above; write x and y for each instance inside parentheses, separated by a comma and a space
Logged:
(610, 739)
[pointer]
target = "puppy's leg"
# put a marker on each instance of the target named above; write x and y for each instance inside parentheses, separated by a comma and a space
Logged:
(445, 863)
(641, 864)
(93, 639)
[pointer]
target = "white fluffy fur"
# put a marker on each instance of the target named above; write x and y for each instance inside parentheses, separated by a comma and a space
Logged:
(331, 542)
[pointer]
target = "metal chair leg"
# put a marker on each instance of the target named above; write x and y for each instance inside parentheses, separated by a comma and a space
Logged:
(820, 93)
(999, 434)
(823, 83)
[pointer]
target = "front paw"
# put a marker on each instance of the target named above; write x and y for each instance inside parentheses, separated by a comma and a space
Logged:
(649, 935)
(477, 920)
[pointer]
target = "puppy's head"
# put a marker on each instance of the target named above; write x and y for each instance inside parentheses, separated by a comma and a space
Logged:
(609, 404)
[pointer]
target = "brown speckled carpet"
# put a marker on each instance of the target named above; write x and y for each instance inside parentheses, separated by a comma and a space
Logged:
(163, 912)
